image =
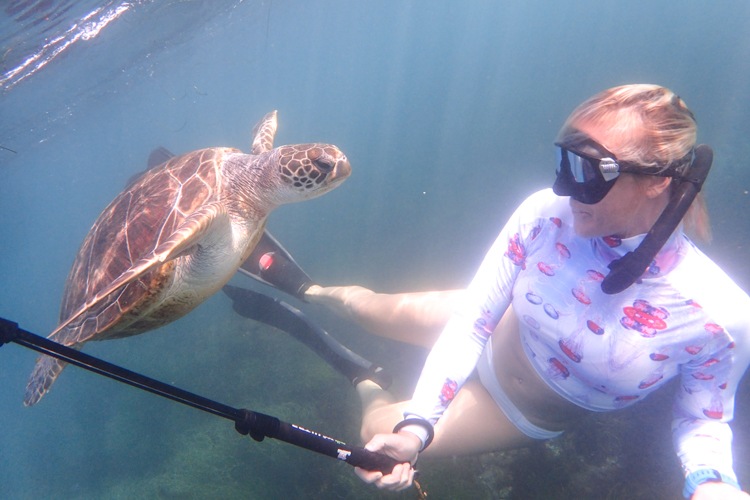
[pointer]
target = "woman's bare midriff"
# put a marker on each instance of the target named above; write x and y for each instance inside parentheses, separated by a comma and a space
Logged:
(539, 403)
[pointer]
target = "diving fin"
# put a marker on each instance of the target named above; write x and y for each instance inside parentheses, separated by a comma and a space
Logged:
(158, 156)
(271, 264)
(279, 314)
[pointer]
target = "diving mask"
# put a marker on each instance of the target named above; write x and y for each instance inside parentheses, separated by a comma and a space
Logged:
(587, 170)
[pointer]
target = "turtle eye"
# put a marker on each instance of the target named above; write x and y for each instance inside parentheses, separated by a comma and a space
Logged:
(324, 163)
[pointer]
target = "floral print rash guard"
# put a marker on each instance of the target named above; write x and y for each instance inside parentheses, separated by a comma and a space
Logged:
(685, 317)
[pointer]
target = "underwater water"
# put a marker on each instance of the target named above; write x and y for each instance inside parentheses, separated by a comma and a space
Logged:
(447, 112)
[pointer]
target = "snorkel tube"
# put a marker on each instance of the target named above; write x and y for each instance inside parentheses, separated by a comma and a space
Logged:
(629, 268)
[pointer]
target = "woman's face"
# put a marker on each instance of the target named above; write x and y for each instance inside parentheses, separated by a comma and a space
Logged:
(632, 205)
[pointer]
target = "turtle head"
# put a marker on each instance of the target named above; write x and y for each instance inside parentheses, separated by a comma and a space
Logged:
(309, 170)
(258, 183)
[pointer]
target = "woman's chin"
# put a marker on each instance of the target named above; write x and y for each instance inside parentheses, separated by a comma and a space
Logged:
(583, 227)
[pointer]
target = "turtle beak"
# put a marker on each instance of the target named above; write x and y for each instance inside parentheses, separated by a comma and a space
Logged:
(341, 169)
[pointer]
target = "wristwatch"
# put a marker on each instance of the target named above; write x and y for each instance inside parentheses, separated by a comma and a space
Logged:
(705, 476)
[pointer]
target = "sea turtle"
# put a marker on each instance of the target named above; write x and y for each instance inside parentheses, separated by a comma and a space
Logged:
(177, 234)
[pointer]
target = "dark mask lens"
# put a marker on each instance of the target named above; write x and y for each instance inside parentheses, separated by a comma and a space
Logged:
(594, 191)
(580, 178)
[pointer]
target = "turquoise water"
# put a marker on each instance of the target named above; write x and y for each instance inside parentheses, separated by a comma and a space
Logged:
(447, 112)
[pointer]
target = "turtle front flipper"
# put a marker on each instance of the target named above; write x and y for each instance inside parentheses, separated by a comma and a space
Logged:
(45, 372)
(209, 219)
(264, 133)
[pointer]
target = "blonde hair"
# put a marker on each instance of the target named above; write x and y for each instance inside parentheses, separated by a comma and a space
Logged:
(655, 129)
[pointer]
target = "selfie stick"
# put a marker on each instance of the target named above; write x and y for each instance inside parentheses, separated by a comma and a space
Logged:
(246, 422)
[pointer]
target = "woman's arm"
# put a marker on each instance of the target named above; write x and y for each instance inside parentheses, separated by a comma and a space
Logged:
(415, 318)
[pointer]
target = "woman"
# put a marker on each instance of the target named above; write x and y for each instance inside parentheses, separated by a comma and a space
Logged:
(547, 343)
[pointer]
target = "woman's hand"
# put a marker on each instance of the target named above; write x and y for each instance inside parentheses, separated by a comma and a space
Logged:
(402, 446)
(718, 491)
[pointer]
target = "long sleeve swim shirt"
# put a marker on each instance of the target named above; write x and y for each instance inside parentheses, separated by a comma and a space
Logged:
(683, 318)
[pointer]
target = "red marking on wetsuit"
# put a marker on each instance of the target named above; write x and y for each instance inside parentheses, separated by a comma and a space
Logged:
(657, 356)
(649, 382)
(710, 362)
(694, 349)
(598, 330)
(556, 221)
(516, 251)
(559, 367)
(713, 328)
(563, 250)
(702, 376)
(581, 296)
(644, 318)
(569, 352)
(595, 275)
(448, 392)
(643, 305)
(545, 269)
(625, 398)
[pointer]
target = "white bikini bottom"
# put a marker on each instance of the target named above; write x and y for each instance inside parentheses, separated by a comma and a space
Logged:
(487, 377)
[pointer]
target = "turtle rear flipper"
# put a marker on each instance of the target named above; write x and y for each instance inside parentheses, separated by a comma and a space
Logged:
(45, 372)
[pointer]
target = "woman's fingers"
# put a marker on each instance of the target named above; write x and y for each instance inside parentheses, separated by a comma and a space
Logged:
(398, 447)
(368, 476)
(399, 479)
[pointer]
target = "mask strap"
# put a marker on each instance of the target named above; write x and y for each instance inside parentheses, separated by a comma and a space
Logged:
(629, 268)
